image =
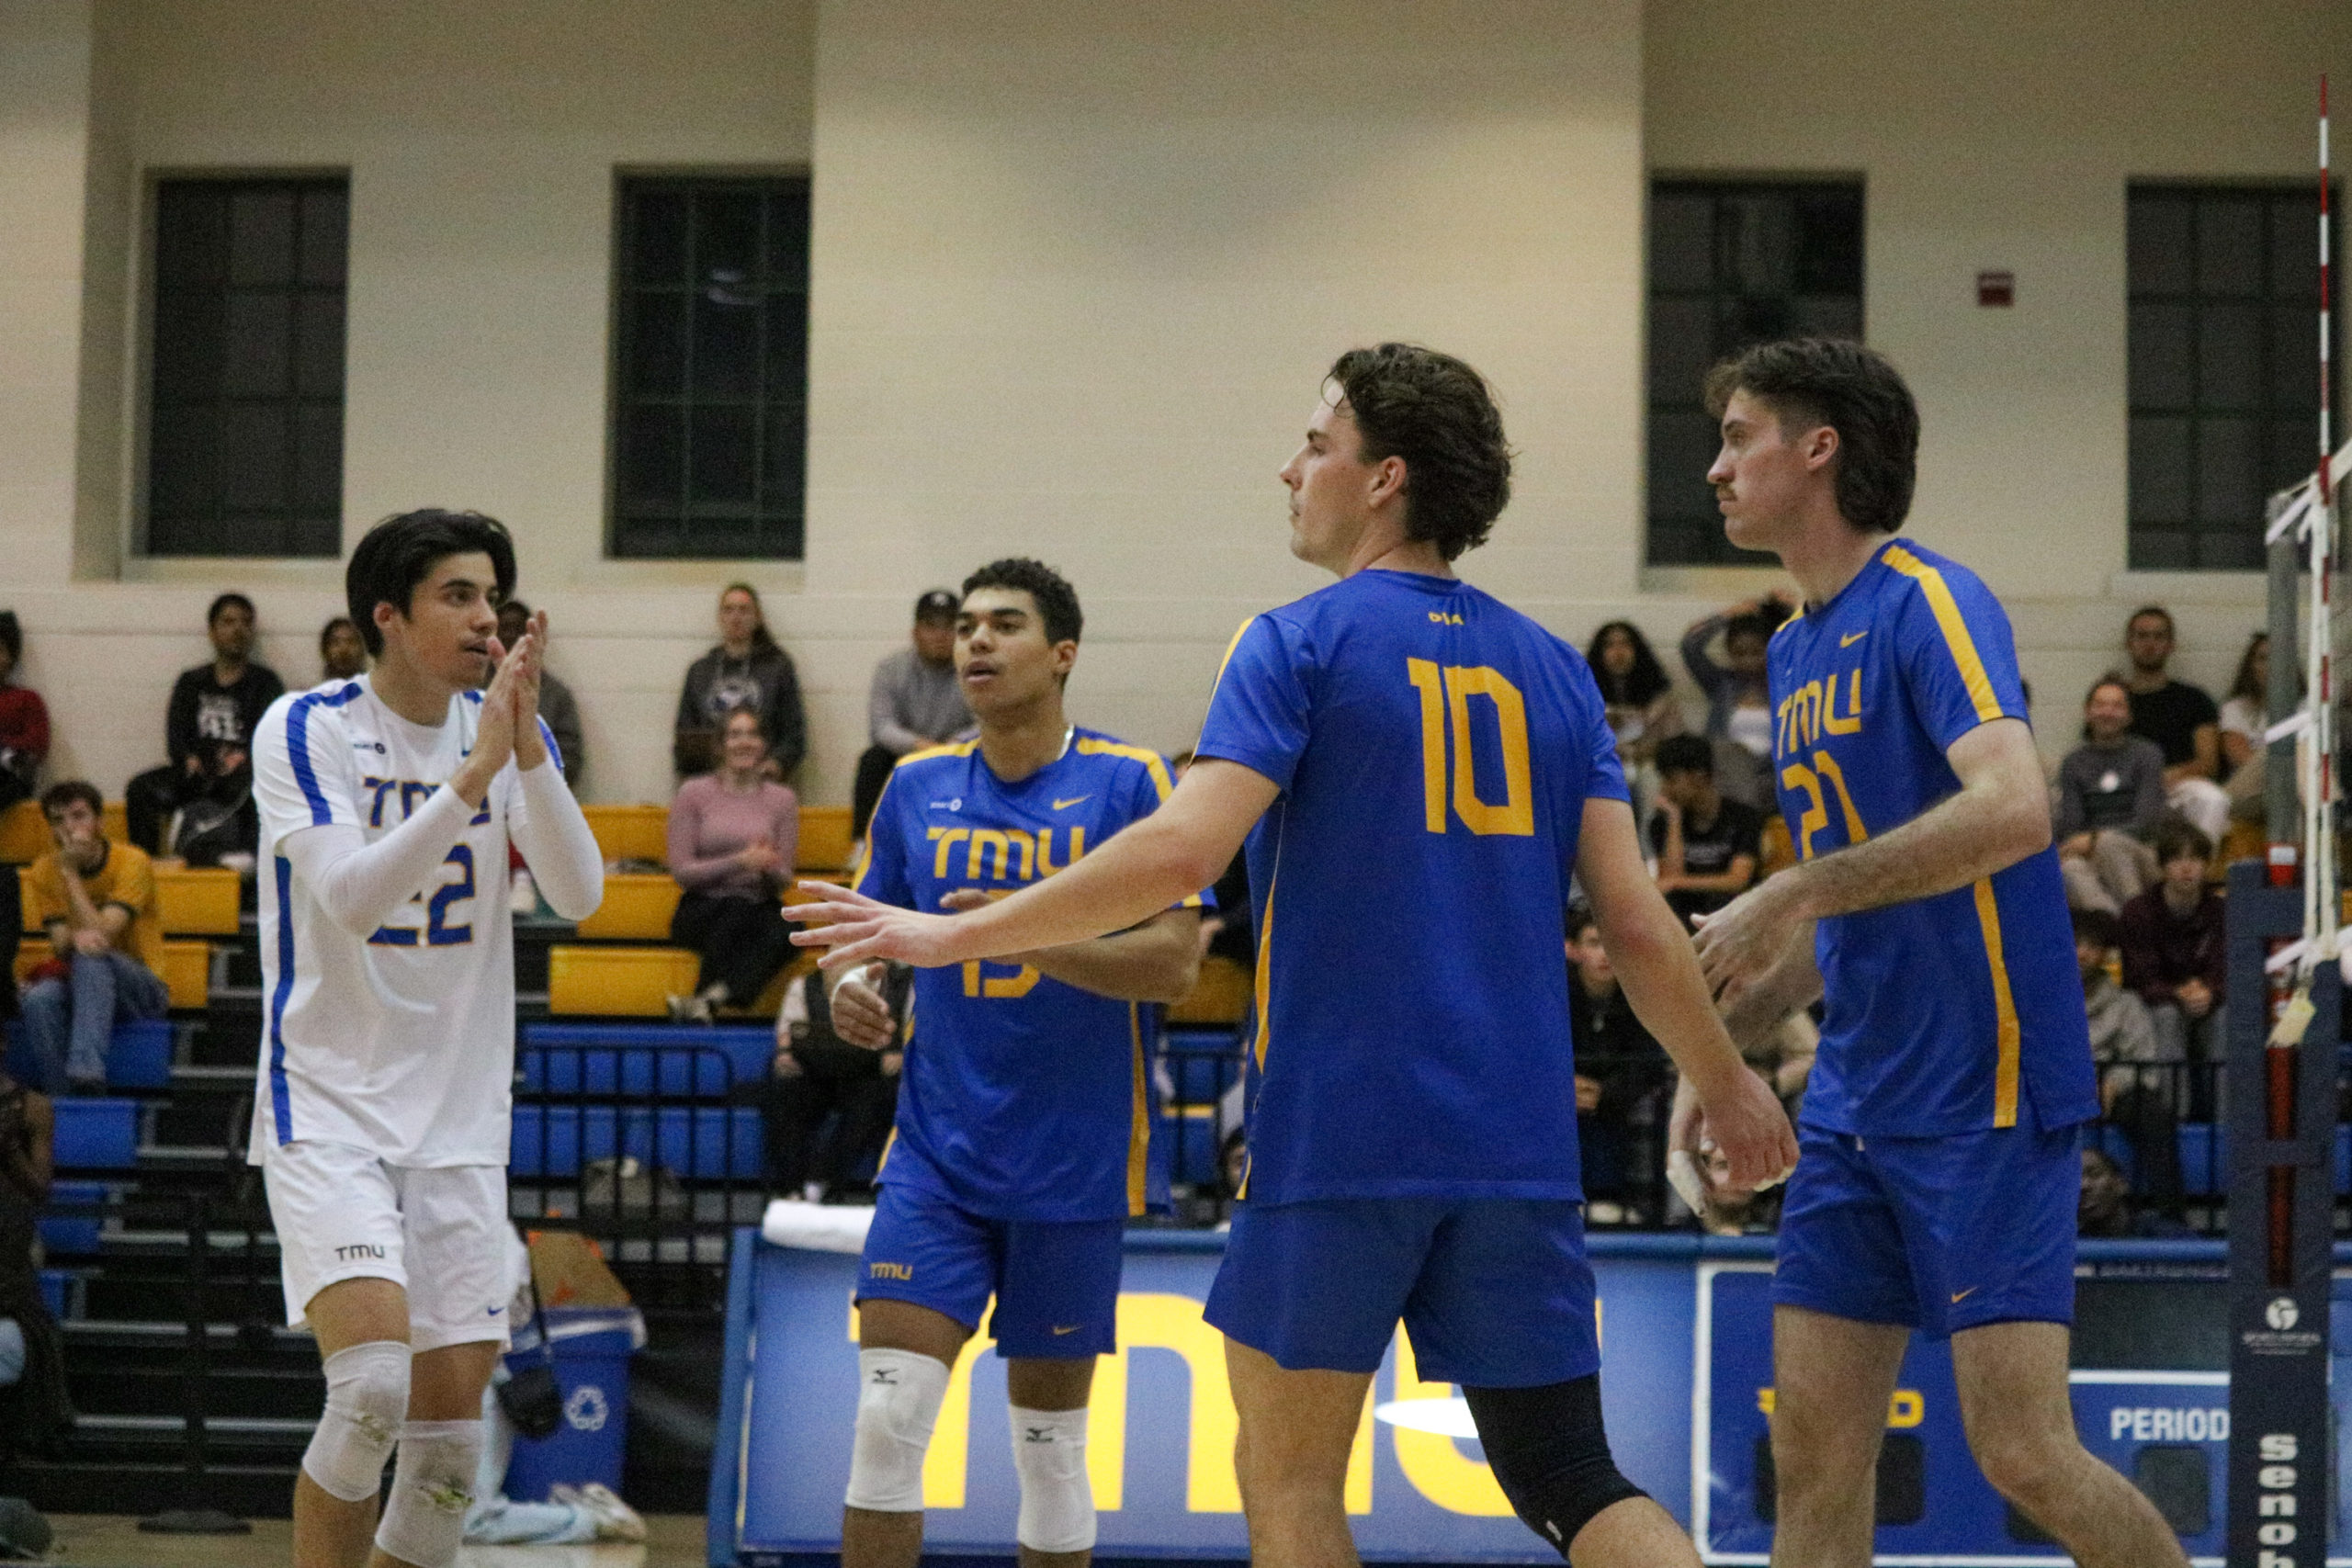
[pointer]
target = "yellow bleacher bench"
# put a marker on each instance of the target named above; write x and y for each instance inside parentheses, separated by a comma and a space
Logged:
(630, 832)
(636, 907)
(1220, 996)
(186, 967)
(824, 839)
(197, 900)
(114, 821)
(620, 982)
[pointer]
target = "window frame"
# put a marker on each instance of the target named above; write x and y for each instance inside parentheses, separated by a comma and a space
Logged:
(1716, 185)
(147, 289)
(629, 182)
(2265, 415)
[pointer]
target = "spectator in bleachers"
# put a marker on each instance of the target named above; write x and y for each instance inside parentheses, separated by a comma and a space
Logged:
(816, 1075)
(1639, 699)
(96, 901)
(2111, 796)
(733, 837)
(1707, 846)
(2139, 1069)
(35, 1411)
(915, 702)
(1623, 1079)
(2180, 719)
(208, 732)
(2105, 1208)
(24, 720)
(2246, 715)
(557, 705)
(343, 653)
(746, 670)
(1737, 1211)
(2175, 954)
(1739, 705)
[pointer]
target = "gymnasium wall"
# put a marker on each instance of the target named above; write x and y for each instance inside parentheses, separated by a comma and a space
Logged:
(1076, 270)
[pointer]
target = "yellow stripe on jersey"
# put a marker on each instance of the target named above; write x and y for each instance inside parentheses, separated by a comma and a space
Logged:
(2005, 1010)
(1152, 760)
(1954, 628)
(952, 749)
(1264, 989)
(1238, 633)
(1139, 1123)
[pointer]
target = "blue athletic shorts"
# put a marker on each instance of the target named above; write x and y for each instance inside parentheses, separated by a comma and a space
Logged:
(1056, 1283)
(1937, 1234)
(1495, 1291)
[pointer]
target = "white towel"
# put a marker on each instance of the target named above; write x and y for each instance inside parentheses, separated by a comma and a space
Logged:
(816, 1227)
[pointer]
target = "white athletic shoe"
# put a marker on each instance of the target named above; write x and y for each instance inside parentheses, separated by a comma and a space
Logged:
(616, 1520)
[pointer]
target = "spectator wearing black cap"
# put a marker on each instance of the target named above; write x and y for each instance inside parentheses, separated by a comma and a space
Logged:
(914, 703)
(24, 720)
(208, 733)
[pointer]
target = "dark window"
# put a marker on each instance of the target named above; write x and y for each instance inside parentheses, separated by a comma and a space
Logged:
(244, 429)
(1733, 264)
(2223, 367)
(710, 368)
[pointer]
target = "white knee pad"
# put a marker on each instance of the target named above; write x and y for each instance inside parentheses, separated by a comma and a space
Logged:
(899, 1397)
(366, 1402)
(1057, 1499)
(433, 1486)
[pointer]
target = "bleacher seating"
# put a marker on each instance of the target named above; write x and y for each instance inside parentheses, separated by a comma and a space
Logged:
(24, 831)
(139, 1056)
(186, 967)
(1221, 995)
(617, 982)
(636, 907)
(824, 840)
(197, 900)
(630, 832)
(97, 1135)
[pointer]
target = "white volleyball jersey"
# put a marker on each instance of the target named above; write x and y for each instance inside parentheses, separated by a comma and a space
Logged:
(403, 1042)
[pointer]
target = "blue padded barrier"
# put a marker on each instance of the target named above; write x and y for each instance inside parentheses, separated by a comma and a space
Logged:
(556, 1140)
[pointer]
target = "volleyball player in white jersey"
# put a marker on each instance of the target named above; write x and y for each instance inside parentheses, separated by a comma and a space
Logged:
(381, 1108)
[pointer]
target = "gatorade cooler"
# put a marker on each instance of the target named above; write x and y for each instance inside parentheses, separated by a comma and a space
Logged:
(591, 1347)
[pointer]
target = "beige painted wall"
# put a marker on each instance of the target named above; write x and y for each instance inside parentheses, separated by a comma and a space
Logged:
(1076, 268)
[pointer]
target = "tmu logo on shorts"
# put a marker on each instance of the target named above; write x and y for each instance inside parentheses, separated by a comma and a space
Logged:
(891, 1270)
(358, 1249)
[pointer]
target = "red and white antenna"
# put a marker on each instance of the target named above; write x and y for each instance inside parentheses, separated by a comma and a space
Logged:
(2320, 910)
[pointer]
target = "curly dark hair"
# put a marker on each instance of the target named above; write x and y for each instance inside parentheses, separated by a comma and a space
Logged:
(1641, 685)
(1057, 599)
(1436, 414)
(1812, 381)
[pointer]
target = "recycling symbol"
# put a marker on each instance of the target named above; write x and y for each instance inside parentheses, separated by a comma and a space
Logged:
(586, 1408)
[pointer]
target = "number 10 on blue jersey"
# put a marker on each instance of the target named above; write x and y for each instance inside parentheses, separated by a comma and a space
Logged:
(1445, 694)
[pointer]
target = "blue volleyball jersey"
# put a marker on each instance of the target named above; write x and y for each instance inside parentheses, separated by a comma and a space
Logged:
(1023, 1097)
(1949, 1014)
(1435, 750)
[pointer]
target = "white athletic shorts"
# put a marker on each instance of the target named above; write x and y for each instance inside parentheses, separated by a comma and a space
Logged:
(440, 1233)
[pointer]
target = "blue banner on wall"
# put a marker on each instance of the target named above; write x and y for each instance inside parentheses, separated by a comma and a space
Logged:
(1677, 1317)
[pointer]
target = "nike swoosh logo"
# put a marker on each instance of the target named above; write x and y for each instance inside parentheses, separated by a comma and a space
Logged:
(1073, 1328)
(1851, 638)
(495, 1311)
(1959, 1296)
(1073, 800)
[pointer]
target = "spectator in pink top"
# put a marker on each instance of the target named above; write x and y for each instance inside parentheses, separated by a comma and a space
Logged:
(733, 836)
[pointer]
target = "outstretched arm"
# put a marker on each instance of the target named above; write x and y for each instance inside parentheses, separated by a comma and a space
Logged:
(1156, 962)
(1143, 870)
(2000, 816)
(1654, 964)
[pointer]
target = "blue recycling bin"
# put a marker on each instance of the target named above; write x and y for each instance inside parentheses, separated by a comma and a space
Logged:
(591, 1347)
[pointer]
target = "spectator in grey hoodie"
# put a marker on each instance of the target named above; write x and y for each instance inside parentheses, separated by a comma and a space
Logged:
(2109, 799)
(746, 670)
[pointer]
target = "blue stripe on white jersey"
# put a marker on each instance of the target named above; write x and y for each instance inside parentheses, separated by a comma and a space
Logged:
(298, 746)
